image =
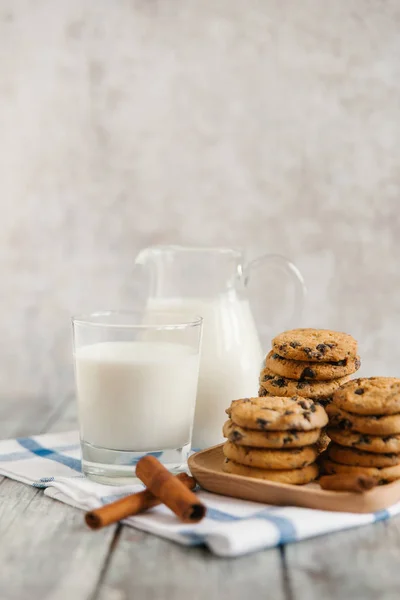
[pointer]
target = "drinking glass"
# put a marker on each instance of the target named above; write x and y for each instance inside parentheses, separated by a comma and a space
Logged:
(136, 379)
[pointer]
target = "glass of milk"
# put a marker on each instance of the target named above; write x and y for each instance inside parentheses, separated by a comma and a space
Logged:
(136, 381)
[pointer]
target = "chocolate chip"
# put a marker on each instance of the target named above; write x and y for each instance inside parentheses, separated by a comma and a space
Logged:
(294, 433)
(344, 424)
(364, 439)
(307, 351)
(359, 391)
(280, 382)
(236, 436)
(322, 348)
(287, 439)
(340, 363)
(262, 392)
(276, 356)
(295, 344)
(268, 377)
(388, 438)
(301, 385)
(324, 401)
(303, 404)
(262, 423)
(313, 408)
(289, 412)
(307, 373)
(307, 415)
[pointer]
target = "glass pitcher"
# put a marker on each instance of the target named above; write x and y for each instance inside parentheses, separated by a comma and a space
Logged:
(213, 283)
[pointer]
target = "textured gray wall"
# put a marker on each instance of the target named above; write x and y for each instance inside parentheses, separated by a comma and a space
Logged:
(274, 126)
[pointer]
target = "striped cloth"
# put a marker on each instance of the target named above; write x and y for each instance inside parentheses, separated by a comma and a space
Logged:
(231, 528)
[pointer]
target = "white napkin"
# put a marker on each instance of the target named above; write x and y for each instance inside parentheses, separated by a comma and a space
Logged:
(231, 528)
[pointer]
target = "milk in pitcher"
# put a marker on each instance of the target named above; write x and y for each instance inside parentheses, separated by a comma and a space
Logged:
(230, 359)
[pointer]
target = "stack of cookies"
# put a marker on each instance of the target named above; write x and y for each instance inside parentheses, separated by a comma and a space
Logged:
(364, 426)
(273, 438)
(312, 363)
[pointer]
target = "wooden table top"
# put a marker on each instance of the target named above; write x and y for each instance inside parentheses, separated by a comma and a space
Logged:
(47, 553)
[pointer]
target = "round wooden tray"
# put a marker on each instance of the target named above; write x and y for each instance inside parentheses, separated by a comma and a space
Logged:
(206, 468)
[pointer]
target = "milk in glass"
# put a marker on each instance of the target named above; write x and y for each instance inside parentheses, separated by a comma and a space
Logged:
(136, 396)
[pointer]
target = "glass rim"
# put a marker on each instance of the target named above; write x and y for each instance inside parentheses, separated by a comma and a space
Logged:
(98, 319)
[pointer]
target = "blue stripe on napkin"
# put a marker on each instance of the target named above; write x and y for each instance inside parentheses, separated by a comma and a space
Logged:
(381, 515)
(24, 454)
(195, 539)
(287, 531)
(219, 515)
(39, 450)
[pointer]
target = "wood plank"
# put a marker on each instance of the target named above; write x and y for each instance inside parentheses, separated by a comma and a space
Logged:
(146, 567)
(46, 551)
(14, 500)
(358, 564)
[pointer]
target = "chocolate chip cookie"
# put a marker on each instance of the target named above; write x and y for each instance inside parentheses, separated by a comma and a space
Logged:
(295, 458)
(372, 396)
(269, 439)
(383, 474)
(275, 384)
(359, 458)
(370, 424)
(303, 370)
(314, 345)
(276, 413)
(362, 441)
(292, 476)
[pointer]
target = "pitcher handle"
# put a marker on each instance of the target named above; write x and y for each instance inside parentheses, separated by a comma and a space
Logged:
(293, 273)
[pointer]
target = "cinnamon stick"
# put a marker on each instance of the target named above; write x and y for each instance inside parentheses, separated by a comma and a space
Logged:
(170, 490)
(129, 506)
(348, 483)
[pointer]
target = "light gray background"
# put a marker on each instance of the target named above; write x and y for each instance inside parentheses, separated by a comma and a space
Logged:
(267, 124)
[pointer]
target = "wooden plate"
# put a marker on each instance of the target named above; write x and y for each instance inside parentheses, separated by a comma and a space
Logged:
(206, 468)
